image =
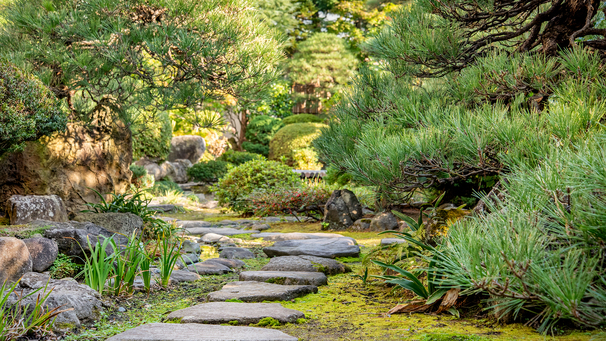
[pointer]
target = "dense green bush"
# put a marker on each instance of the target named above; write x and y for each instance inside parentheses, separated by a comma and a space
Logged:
(302, 118)
(337, 176)
(305, 201)
(152, 134)
(262, 128)
(239, 182)
(256, 148)
(208, 171)
(293, 143)
(238, 158)
(160, 188)
(28, 110)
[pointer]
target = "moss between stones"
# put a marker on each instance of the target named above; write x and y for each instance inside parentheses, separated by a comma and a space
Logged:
(276, 280)
(267, 322)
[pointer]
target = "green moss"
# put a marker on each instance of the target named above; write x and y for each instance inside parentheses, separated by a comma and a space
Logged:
(234, 322)
(267, 322)
(21, 231)
(348, 259)
(276, 280)
(451, 337)
(234, 300)
(302, 118)
(301, 321)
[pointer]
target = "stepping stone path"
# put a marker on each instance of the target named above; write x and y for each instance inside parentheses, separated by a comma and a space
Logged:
(230, 263)
(223, 231)
(324, 247)
(199, 332)
(236, 253)
(244, 313)
(250, 291)
(285, 277)
(391, 241)
(306, 263)
(211, 238)
(209, 268)
(275, 236)
(179, 276)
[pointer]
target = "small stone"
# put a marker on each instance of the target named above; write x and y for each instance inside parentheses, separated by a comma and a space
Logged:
(260, 227)
(285, 277)
(211, 238)
(178, 276)
(383, 222)
(188, 259)
(230, 263)
(306, 263)
(209, 268)
(277, 236)
(361, 224)
(43, 251)
(121, 309)
(189, 246)
(244, 313)
(391, 241)
(199, 332)
(251, 291)
(193, 223)
(224, 231)
(236, 253)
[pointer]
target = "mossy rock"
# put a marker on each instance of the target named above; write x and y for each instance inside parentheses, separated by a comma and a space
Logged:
(293, 143)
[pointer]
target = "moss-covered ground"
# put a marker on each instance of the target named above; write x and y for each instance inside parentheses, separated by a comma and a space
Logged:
(345, 309)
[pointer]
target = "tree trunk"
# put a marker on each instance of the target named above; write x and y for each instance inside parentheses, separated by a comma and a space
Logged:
(573, 16)
(243, 125)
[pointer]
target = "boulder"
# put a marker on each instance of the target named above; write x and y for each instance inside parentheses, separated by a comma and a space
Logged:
(88, 155)
(190, 147)
(15, 260)
(391, 241)
(260, 227)
(44, 251)
(178, 276)
(225, 312)
(190, 258)
(306, 263)
(325, 247)
(71, 237)
(251, 291)
(209, 268)
(22, 209)
(66, 294)
(189, 246)
(383, 222)
(177, 170)
(285, 277)
(199, 332)
(342, 209)
(361, 224)
(277, 236)
(211, 238)
(230, 263)
(122, 223)
(165, 208)
(236, 253)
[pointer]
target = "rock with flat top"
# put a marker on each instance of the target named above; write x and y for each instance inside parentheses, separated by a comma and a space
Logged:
(285, 277)
(199, 332)
(178, 276)
(276, 236)
(122, 223)
(324, 247)
(223, 231)
(391, 241)
(44, 251)
(236, 253)
(244, 313)
(211, 238)
(230, 263)
(209, 268)
(306, 263)
(22, 209)
(251, 291)
(193, 223)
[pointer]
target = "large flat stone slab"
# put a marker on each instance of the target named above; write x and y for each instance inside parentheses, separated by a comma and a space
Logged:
(391, 241)
(306, 263)
(251, 291)
(223, 231)
(323, 247)
(276, 236)
(193, 223)
(209, 268)
(244, 313)
(199, 332)
(285, 277)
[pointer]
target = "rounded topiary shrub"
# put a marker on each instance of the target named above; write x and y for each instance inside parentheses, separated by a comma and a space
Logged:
(302, 118)
(152, 133)
(239, 182)
(208, 171)
(28, 110)
(293, 144)
(238, 158)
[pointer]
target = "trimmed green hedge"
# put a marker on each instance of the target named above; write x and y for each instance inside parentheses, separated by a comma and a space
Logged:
(238, 158)
(302, 118)
(293, 143)
(208, 171)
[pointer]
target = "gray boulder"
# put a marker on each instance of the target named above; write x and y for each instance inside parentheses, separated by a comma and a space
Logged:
(72, 237)
(84, 302)
(209, 268)
(122, 223)
(22, 209)
(189, 258)
(342, 209)
(236, 253)
(306, 263)
(190, 147)
(177, 170)
(44, 251)
(189, 246)
(211, 238)
(260, 227)
(391, 241)
(230, 263)
(361, 224)
(251, 291)
(178, 276)
(244, 313)
(325, 247)
(383, 222)
(15, 260)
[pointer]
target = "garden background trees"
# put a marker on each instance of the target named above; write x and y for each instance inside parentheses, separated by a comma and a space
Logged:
(508, 93)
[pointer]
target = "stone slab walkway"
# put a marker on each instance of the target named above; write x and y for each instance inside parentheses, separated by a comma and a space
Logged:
(244, 313)
(199, 332)
(250, 291)
(323, 247)
(306, 263)
(285, 277)
(276, 236)
(223, 231)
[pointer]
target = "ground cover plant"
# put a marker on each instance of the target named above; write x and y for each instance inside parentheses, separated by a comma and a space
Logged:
(504, 98)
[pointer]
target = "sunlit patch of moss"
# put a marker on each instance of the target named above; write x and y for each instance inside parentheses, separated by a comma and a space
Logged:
(255, 264)
(21, 231)
(267, 322)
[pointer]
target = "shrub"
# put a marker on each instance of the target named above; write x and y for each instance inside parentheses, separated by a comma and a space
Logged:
(28, 110)
(307, 200)
(208, 171)
(238, 158)
(337, 176)
(255, 148)
(293, 142)
(302, 118)
(262, 128)
(64, 267)
(152, 133)
(160, 188)
(239, 182)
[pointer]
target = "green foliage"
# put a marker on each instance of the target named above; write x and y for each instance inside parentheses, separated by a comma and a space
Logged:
(169, 255)
(28, 110)
(268, 322)
(239, 182)
(19, 319)
(161, 188)
(293, 142)
(138, 171)
(302, 118)
(337, 176)
(255, 148)
(238, 158)
(126, 265)
(64, 267)
(306, 200)
(279, 104)
(152, 133)
(262, 128)
(208, 171)
(98, 265)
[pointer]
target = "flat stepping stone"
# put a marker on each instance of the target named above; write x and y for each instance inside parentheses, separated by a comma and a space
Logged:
(306, 263)
(211, 238)
(178, 276)
(285, 277)
(323, 247)
(209, 268)
(199, 332)
(276, 236)
(391, 241)
(224, 231)
(244, 313)
(230, 263)
(236, 253)
(165, 208)
(193, 223)
(251, 291)
(190, 258)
